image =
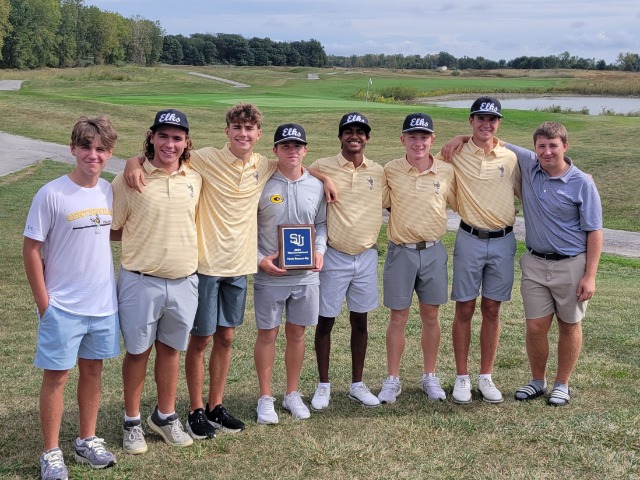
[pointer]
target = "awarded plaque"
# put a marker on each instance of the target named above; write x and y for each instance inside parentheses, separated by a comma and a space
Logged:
(296, 244)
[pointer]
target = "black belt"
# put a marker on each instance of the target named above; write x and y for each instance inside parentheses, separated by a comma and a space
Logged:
(155, 276)
(484, 234)
(549, 256)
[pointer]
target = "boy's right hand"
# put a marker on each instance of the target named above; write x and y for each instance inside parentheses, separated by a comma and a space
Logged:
(267, 265)
(42, 306)
(133, 173)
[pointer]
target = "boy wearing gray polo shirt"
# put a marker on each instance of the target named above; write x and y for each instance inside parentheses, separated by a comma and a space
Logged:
(563, 214)
(290, 197)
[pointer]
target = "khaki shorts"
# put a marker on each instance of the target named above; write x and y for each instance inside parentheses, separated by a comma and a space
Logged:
(550, 286)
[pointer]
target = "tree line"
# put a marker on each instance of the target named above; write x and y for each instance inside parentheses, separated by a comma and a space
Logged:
(625, 61)
(67, 33)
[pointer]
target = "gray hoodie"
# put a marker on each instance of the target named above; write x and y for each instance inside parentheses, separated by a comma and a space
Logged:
(290, 202)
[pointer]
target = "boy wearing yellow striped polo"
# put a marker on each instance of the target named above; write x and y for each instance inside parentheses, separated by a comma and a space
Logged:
(416, 188)
(157, 284)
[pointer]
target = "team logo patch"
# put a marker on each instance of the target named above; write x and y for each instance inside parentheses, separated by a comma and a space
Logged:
(276, 199)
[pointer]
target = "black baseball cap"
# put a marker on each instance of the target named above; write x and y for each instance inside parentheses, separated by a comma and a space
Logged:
(354, 118)
(417, 122)
(170, 117)
(487, 106)
(290, 132)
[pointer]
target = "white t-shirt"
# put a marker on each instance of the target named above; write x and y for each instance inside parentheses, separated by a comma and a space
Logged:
(73, 223)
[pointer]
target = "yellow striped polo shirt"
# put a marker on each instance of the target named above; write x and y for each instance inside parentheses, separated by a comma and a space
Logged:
(159, 225)
(228, 215)
(418, 200)
(354, 222)
(485, 186)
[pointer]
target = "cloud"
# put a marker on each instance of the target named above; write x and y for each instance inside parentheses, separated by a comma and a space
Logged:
(502, 29)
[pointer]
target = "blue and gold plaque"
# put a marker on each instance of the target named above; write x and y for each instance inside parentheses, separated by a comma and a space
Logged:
(296, 244)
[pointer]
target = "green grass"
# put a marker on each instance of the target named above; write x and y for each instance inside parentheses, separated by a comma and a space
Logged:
(595, 437)
(606, 146)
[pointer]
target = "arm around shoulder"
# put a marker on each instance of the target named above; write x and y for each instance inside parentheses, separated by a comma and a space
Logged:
(330, 189)
(134, 174)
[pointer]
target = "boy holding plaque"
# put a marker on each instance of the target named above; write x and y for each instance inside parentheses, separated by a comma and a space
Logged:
(292, 206)
(416, 188)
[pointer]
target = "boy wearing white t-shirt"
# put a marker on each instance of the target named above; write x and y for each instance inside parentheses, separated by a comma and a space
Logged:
(67, 258)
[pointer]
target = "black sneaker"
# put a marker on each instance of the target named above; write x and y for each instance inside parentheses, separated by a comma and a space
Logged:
(220, 418)
(198, 427)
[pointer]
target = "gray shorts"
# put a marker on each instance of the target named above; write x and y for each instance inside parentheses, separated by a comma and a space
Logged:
(300, 304)
(407, 269)
(152, 308)
(549, 287)
(352, 276)
(222, 301)
(483, 262)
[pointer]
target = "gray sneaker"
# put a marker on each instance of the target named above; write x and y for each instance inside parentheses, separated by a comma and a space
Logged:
(133, 441)
(391, 388)
(91, 451)
(170, 430)
(52, 465)
(431, 386)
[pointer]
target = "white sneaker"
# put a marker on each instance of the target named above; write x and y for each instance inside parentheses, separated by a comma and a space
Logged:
(266, 412)
(488, 390)
(359, 391)
(321, 398)
(462, 390)
(391, 388)
(431, 386)
(293, 402)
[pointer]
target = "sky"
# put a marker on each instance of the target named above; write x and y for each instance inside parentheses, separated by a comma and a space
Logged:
(495, 30)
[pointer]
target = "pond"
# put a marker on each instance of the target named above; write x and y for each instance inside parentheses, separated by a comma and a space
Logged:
(595, 105)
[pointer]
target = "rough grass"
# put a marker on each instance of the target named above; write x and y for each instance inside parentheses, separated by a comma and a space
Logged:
(596, 437)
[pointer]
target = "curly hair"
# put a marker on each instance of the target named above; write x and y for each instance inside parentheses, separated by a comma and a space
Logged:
(149, 152)
(244, 113)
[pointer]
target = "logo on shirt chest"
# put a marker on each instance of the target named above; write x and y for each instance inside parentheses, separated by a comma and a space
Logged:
(190, 188)
(276, 198)
(370, 182)
(501, 170)
(436, 186)
(257, 177)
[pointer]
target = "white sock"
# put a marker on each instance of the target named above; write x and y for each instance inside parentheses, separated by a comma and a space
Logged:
(164, 416)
